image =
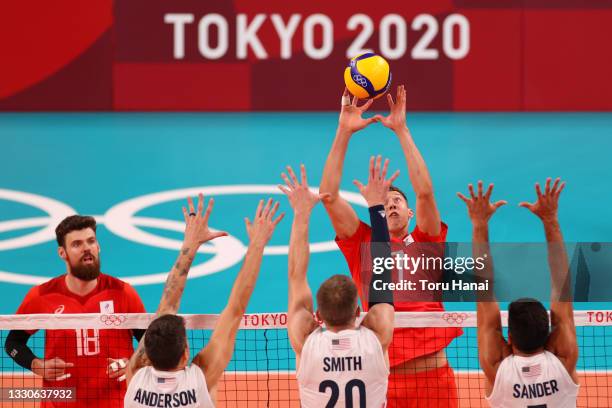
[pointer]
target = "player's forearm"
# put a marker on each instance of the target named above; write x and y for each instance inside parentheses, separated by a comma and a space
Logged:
(246, 279)
(417, 169)
(481, 250)
(332, 173)
(557, 261)
(380, 249)
(299, 250)
(175, 283)
(17, 348)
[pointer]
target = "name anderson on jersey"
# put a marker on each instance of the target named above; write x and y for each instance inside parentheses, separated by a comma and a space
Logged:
(537, 390)
(158, 399)
(342, 364)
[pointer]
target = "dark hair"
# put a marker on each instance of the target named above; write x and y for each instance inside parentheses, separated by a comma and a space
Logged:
(528, 324)
(165, 342)
(337, 300)
(393, 188)
(73, 223)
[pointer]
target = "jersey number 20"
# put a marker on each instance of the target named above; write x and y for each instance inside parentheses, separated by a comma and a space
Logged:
(348, 393)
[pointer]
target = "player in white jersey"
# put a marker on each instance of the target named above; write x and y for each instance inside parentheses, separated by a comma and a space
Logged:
(536, 367)
(346, 364)
(158, 373)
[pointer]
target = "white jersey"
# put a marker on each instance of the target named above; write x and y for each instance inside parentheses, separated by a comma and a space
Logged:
(339, 368)
(539, 380)
(184, 388)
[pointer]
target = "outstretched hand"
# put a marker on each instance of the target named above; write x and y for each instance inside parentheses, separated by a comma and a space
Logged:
(196, 223)
(547, 204)
(351, 116)
(261, 229)
(480, 208)
(396, 120)
(375, 192)
(301, 199)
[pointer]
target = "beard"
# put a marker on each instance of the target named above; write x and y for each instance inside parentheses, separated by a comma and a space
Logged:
(86, 272)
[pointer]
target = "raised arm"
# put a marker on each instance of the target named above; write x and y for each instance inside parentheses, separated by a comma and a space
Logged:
(300, 321)
(427, 215)
(492, 347)
(213, 359)
(380, 317)
(562, 340)
(196, 233)
(344, 219)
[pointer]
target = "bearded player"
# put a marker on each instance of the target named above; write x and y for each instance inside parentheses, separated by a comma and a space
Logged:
(90, 360)
(420, 374)
(536, 367)
(346, 364)
(158, 373)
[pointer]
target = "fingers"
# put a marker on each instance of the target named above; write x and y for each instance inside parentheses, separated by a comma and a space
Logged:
(293, 177)
(273, 211)
(547, 186)
(538, 190)
(303, 175)
(377, 167)
(247, 224)
(324, 196)
(366, 105)
(354, 101)
(278, 219)
(371, 168)
(402, 98)
(560, 189)
(462, 197)
(345, 92)
(209, 207)
(555, 185)
(258, 210)
(266, 209)
(218, 234)
(390, 101)
(190, 205)
(489, 191)
(526, 205)
(359, 185)
(394, 176)
(185, 215)
(480, 189)
(287, 181)
(499, 204)
(200, 204)
(284, 189)
(384, 170)
(471, 189)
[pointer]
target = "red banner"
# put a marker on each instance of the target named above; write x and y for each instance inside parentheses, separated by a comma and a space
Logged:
(222, 55)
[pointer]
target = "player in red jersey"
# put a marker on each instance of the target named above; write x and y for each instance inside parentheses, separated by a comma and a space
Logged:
(420, 374)
(90, 360)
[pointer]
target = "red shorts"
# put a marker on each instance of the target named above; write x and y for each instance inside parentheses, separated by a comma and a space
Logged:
(428, 389)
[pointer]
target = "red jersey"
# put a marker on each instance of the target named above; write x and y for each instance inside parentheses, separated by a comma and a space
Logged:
(408, 343)
(87, 349)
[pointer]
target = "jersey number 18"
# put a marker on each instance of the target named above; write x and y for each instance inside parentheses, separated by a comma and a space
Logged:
(87, 345)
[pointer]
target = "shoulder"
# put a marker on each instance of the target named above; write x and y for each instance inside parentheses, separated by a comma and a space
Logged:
(363, 234)
(107, 282)
(54, 285)
(421, 236)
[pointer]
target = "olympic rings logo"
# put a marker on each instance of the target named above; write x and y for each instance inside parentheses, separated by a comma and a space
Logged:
(122, 220)
(112, 319)
(454, 318)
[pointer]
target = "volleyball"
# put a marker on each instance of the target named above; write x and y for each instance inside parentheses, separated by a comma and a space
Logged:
(367, 76)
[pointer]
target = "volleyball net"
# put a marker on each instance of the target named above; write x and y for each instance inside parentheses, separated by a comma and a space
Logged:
(262, 370)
